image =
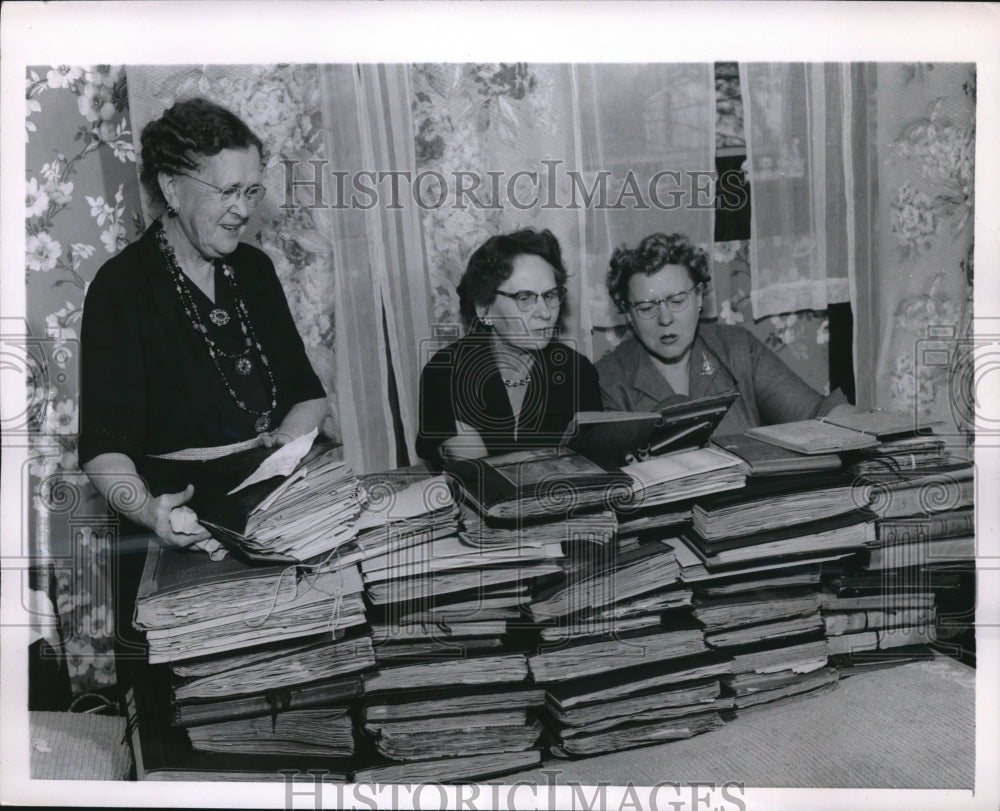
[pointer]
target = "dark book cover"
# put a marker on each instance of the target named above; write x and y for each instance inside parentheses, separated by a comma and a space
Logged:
(609, 439)
(882, 424)
(170, 569)
(766, 459)
(612, 439)
(891, 581)
(541, 483)
(632, 735)
(680, 698)
(741, 583)
(502, 695)
(905, 493)
(509, 668)
(777, 647)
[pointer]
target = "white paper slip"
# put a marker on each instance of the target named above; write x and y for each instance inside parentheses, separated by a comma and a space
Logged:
(280, 463)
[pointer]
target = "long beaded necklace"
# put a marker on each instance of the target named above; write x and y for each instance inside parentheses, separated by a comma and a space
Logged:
(242, 362)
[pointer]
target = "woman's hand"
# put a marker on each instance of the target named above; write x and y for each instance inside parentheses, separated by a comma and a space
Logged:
(275, 439)
(177, 524)
(301, 419)
(466, 444)
(115, 477)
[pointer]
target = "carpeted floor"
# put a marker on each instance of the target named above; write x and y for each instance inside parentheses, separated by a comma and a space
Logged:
(78, 746)
(911, 726)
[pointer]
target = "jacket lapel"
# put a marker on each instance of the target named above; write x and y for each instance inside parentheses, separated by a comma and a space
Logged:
(647, 380)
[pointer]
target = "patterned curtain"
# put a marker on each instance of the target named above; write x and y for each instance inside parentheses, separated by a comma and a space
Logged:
(926, 133)
(82, 207)
(499, 140)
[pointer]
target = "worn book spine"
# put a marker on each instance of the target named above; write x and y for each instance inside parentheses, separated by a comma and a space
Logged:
(923, 553)
(942, 525)
(271, 703)
(163, 752)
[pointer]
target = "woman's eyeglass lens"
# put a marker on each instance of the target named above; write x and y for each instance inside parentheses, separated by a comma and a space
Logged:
(229, 195)
(676, 303)
(527, 300)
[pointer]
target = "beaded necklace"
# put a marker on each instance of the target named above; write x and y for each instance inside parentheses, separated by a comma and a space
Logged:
(513, 384)
(242, 361)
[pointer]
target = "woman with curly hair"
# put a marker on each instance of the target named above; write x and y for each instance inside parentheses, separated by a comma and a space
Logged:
(659, 286)
(508, 384)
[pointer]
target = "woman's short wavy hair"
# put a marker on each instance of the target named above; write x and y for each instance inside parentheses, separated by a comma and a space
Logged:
(190, 130)
(492, 263)
(652, 254)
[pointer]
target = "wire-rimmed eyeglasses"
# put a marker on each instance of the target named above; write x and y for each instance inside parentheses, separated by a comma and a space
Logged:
(229, 195)
(676, 302)
(527, 300)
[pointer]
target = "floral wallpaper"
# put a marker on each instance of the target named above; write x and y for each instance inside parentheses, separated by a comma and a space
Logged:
(81, 207)
(927, 130)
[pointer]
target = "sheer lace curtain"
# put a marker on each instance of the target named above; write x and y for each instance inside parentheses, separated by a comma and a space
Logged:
(651, 128)
(380, 285)
(799, 160)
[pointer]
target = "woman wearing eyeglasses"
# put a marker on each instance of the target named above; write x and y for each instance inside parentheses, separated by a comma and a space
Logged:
(659, 286)
(508, 384)
(187, 338)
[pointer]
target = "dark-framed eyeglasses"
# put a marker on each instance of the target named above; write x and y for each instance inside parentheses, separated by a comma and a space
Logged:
(527, 300)
(676, 302)
(229, 195)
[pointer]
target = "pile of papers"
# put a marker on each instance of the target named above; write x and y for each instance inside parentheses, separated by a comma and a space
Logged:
(180, 594)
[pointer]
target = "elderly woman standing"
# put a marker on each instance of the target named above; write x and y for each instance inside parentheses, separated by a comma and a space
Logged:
(659, 286)
(187, 338)
(508, 384)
